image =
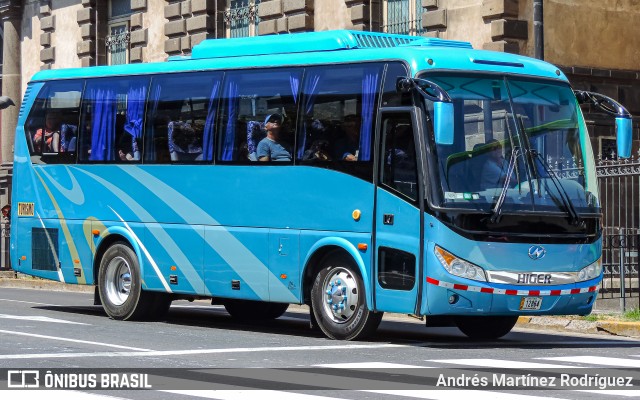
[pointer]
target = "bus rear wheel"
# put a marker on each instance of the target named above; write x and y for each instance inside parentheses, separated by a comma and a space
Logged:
(485, 328)
(254, 310)
(120, 287)
(338, 301)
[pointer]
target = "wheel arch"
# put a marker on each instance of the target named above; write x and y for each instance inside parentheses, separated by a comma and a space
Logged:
(327, 246)
(111, 236)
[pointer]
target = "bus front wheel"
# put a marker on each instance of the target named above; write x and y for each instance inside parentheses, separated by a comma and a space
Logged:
(485, 328)
(120, 287)
(338, 301)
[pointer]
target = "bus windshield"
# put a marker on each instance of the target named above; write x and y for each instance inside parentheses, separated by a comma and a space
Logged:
(520, 145)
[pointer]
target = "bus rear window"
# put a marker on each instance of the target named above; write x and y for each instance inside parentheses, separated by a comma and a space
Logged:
(52, 126)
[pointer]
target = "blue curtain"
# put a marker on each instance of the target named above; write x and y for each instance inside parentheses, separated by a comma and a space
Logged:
(103, 125)
(135, 114)
(209, 124)
(295, 85)
(150, 148)
(369, 89)
(310, 90)
(231, 94)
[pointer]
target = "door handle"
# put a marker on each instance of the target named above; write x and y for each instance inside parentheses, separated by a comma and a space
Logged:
(387, 219)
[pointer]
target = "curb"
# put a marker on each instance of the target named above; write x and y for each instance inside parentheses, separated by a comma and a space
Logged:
(568, 324)
(8, 279)
(554, 323)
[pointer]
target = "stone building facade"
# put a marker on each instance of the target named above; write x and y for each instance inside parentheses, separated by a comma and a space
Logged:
(596, 43)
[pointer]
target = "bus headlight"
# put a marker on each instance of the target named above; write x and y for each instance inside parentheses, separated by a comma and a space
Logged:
(459, 267)
(591, 271)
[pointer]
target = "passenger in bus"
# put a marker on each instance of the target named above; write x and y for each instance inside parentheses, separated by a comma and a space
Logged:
(348, 145)
(272, 148)
(184, 143)
(125, 147)
(47, 139)
(319, 149)
(495, 168)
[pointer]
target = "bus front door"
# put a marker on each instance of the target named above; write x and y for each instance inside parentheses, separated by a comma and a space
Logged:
(398, 215)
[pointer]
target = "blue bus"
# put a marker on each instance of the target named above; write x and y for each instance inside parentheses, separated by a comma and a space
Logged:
(355, 172)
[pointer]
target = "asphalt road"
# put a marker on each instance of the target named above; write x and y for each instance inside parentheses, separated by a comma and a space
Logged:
(200, 352)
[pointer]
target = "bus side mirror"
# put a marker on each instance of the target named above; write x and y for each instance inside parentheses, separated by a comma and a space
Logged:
(624, 134)
(443, 122)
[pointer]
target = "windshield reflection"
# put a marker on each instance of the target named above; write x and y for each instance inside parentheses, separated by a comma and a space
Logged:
(520, 146)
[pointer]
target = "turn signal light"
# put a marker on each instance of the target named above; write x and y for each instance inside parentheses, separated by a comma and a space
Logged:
(362, 246)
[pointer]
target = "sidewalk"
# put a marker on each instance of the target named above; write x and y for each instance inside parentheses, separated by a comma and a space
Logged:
(613, 326)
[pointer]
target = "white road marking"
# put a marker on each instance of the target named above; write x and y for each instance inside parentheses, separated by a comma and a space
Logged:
(249, 394)
(54, 395)
(494, 363)
(149, 353)
(32, 302)
(608, 361)
(626, 393)
(365, 365)
(441, 394)
(115, 346)
(40, 319)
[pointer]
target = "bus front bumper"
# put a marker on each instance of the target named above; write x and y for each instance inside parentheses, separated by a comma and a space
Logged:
(474, 298)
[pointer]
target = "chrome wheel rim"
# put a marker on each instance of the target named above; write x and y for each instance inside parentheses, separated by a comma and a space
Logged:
(118, 281)
(341, 295)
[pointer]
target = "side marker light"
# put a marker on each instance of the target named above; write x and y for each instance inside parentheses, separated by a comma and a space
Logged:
(356, 214)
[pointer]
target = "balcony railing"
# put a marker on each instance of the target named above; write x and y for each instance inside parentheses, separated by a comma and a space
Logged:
(242, 19)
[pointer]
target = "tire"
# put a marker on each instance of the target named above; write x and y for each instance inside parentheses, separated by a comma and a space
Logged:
(485, 328)
(120, 287)
(248, 310)
(338, 300)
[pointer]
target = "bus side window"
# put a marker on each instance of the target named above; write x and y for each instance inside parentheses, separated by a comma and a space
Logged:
(249, 98)
(182, 116)
(340, 105)
(52, 123)
(112, 118)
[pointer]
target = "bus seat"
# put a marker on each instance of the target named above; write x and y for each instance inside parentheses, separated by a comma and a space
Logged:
(255, 133)
(68, 137)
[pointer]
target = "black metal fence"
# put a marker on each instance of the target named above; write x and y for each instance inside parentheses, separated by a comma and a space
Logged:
(620, 262)
(619, 184)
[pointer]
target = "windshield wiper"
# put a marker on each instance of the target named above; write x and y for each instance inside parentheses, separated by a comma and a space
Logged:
(564, 196)
(497, 209)
(533, 154)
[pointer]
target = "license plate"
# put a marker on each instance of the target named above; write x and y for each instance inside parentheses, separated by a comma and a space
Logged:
(530, 303)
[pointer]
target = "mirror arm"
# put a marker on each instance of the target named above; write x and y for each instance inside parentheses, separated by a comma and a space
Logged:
(604, 103)
(405, 85)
